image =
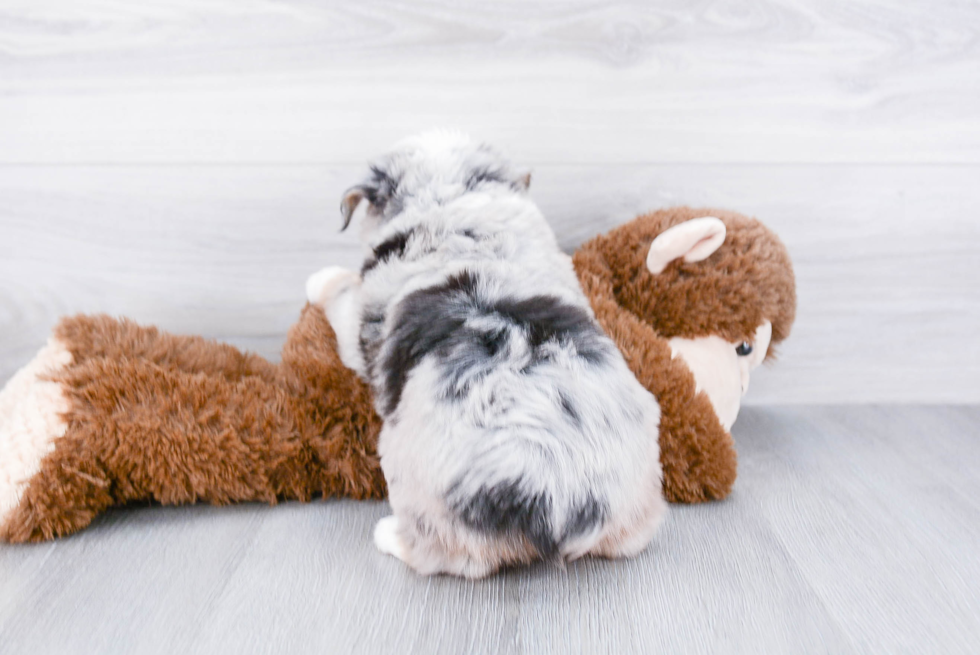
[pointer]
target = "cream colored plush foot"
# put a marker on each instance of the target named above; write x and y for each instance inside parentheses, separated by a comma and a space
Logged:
(337, 291)
(326, 284)
(31, 422)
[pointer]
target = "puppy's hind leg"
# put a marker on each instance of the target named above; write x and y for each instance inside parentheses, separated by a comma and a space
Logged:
(337, 291)
(628, 533)
(386, 537)
(429, 554)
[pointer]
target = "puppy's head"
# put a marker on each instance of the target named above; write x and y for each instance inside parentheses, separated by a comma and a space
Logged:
(431, 168)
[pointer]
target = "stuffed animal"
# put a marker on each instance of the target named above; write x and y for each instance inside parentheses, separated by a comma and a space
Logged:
(695, 299)
(110, 412)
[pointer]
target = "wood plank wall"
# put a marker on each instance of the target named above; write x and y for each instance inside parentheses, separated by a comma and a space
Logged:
(181, 162)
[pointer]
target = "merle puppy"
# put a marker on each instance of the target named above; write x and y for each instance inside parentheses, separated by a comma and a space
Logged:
(513, 428)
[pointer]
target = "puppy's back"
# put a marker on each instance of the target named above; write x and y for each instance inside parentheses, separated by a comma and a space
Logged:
(542, 424)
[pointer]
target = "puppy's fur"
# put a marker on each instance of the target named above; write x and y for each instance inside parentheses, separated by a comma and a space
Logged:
(513, 428)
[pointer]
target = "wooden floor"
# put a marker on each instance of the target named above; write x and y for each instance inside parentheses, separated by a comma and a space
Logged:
(851, 530)
(181, 163)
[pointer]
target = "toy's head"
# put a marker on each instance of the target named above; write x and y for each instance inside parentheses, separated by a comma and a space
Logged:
(718, 285)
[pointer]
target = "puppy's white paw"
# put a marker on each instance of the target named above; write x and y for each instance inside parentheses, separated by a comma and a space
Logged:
(326, 284)
(386, 537)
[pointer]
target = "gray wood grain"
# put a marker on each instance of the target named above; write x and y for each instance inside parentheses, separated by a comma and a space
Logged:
(580, 81)
(850, 530)
(885, 257)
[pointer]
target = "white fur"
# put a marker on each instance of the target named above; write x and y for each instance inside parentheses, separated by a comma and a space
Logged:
(328, 289)
(510, 420)
(693, 240)
(386, 537)
(31, 421)
(719, 371)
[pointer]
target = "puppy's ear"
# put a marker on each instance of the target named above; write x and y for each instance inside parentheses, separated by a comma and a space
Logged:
(352, 198)
(693, 240)
(523, 182)
(380, 187)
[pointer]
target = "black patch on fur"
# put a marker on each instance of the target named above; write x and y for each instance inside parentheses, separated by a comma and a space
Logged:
(585, 517)
(491, 341)
(548, 318)
(468, 350)
(483, 175)
(427, 319)
(393, 246)
(369, 339)
(433, 321)
(464, 282)
(507, 508)
(381, 187)
(569, 409)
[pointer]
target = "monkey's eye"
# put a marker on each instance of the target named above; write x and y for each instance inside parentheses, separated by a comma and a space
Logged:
(743, 349)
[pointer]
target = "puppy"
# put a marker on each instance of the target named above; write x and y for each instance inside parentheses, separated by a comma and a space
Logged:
(513, 429)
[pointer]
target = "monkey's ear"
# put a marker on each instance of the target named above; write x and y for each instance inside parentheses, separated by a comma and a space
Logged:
(693, 240)
(352, 198)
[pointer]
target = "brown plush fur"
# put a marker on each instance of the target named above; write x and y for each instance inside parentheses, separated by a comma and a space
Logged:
(181, 419)
(747, 280)
(157, 417)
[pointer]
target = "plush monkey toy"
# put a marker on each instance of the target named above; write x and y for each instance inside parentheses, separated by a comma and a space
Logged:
(695, 299)
(109, 412)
